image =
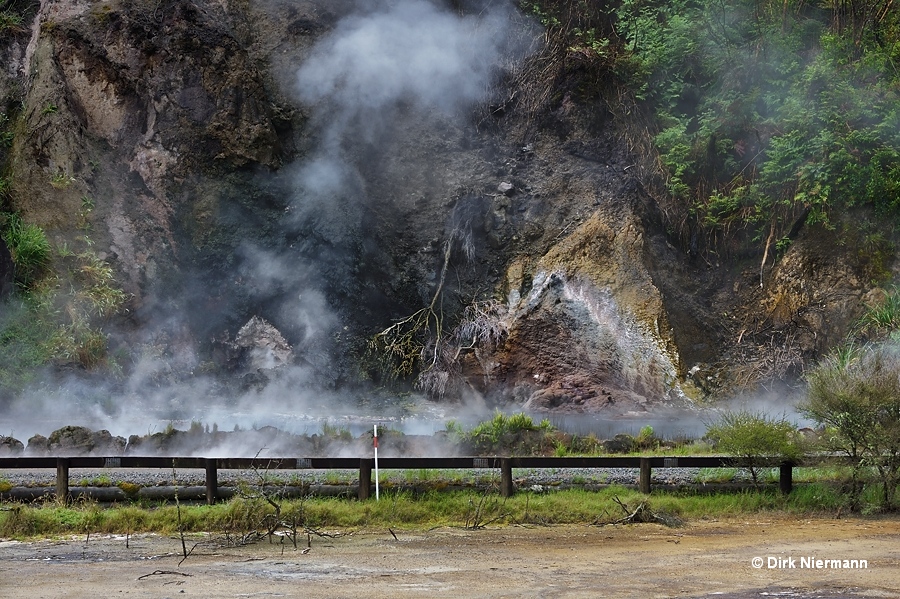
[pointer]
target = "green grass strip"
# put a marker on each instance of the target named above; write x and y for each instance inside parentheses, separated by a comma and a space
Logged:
(404, 510)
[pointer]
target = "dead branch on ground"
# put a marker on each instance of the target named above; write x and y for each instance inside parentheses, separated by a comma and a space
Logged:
(162, 573)
(642, 514)
(275, 524)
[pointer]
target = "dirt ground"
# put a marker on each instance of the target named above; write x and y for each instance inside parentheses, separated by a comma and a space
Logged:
(701, 559)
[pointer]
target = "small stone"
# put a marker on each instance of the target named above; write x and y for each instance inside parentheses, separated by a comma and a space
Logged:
(506, 188)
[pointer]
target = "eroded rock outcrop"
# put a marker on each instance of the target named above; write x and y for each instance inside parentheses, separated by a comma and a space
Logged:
(587, 326)
(124, 100)
(260, 346)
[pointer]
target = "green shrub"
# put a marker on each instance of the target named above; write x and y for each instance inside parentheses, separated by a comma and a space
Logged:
(504, 433)
(130, 489)
(25, 333)
(755, 437)
(338, 433)
(646, 439)
(28, 247)
(98, 285)
(79, 342)
(884, 318)
(856, 396)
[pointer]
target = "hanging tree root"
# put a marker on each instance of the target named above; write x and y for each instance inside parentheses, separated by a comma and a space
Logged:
(406, 342)
(422, 342)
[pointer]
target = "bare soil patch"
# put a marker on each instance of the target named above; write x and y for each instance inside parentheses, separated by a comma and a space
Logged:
(701, 559)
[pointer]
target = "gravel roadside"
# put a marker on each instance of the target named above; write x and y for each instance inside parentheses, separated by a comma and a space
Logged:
(524, 477)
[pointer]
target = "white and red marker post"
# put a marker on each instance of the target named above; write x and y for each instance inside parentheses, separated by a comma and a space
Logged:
(375, 443)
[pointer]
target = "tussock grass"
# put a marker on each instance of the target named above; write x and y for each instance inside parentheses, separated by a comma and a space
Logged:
(404, 510)
(29, 248)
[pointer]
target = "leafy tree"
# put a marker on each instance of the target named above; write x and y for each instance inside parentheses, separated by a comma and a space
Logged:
(755, 438)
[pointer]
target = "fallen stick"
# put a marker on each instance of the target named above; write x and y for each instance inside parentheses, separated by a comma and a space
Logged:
(163, 572)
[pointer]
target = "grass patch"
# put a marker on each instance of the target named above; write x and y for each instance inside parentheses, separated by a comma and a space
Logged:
(29, 248)
(53, 317)
(404, 510)
(822, 474)
(10, 21)
(715, 475)
(670, 450)
(807, 499)
(335, 478)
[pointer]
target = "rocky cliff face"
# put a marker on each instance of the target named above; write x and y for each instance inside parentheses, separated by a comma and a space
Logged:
(234, 160)
(140, 107)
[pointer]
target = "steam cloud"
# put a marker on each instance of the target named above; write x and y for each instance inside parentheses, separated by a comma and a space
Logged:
(362, 80)
(380, 63)
(412, 51)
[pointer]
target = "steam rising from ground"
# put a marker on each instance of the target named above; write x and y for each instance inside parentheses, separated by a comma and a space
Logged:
(381, 62)
(363, 80)
(381, 66)
(412, 51)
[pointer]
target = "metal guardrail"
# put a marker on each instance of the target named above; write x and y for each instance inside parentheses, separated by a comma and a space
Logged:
(366, 465)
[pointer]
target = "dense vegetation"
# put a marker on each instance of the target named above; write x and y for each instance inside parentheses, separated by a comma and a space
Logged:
(765, 115)
(62, 294)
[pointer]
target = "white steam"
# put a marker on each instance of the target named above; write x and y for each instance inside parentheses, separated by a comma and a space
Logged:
(376, 73)
(413, 52)
(359, 83)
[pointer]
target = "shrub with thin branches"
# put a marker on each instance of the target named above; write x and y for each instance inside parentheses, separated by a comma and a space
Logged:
(755, 438)
(856, 396)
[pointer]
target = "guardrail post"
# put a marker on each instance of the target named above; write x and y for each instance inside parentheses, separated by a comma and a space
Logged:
(62, 480)
(786, 478)
(365, 478)
(212, 481)
(644, 480)
(506, 480)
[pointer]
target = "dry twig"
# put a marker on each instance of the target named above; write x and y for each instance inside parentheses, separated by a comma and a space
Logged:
(162, 573)
(643, 514)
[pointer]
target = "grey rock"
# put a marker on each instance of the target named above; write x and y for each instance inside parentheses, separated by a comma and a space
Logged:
(38, 445)
(506, 188)
(10, 446)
